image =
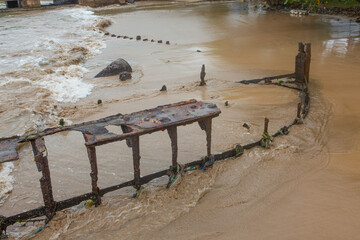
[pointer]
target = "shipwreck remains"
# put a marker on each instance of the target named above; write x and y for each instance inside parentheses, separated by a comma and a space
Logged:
(166, 117)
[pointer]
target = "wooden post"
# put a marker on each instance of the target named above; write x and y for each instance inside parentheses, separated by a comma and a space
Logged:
(202, 76)
(38, 146)
(172, 131)
(300, 64)
(136, 160)
(307, 61)
(91, 151)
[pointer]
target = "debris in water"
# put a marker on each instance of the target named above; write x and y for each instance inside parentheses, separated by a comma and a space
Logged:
(227, 103)
(202, 76)
(245, 125)
(61, 122)
(164, 88)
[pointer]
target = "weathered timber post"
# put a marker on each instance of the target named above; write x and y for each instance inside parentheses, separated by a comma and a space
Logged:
(91, 151)
(135, 144)
(172, 131)
(38, 147)
(307, 61)
(202, 75)
(300, 64)
(206, 126)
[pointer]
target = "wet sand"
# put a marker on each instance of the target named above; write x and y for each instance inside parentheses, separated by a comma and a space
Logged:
(306, 186)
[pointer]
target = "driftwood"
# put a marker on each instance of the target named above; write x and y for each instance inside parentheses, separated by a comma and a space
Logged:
(258, 80)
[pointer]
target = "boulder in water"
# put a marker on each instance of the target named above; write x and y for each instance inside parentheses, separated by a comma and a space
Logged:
(125, 76)
(115, 68)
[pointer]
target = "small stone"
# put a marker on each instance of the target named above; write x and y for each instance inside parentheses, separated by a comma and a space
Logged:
(113, 35)
(138, 38)
(131, 38)
(163, 88)
(125, 37)
(99, 101)
(152, 40)
(198, 50)
(168, 42)
(145, 39)
(107, 33)
(118, 36)
(245, 125)
(160, 41)
(125, 76)
(61, 122)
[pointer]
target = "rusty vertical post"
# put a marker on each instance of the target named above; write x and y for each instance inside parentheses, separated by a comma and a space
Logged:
(202, 76)
(91, 151)
(266, 125)
(136, 159)
(172, 131)
(307, 61)
(206, 126)
(39, 148)
(300, 64)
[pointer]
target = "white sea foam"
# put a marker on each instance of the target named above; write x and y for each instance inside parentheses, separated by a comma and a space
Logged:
(6, 181)
(49, 40)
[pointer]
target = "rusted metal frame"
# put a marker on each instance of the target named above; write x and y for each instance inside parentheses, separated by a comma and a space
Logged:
(38, 146)
(288, 75)
(300, 60)
(135, 142)
(91, 151)
(206, 126)
(115, 138)
(172, 131)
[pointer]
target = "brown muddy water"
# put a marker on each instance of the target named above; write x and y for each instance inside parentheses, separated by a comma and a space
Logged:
(306, 187)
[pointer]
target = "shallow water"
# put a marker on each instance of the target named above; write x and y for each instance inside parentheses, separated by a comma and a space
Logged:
(237, 41)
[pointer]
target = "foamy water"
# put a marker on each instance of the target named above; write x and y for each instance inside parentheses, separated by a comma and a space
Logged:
(44, 50)
(41, 64)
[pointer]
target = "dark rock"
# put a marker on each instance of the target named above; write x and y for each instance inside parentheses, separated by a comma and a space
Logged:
(118, 36)
(145, 39)
(116, 67)
(125, 76)
(125, 37)
(106, 34)
(167, 42)
(138, 38)
(160, 41)
(245, 125)
(152, 40)
(113, 35)
(99, 101)
(198, 50)
(131, 38)
(163, 88)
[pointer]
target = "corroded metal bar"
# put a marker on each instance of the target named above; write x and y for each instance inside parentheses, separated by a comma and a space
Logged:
(38, 146)
(172, 131)
(307, 61)
(136, 160)
(289, 75)
(300, 64)
(266, 124)
(94, 170)
(206, 126)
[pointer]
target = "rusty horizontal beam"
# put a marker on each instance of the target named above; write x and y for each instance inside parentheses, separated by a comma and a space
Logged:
(289, 75)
